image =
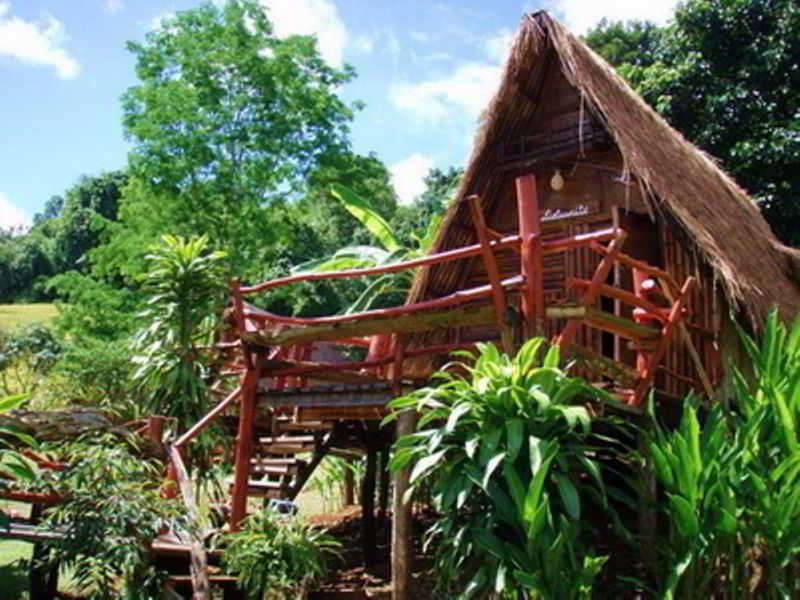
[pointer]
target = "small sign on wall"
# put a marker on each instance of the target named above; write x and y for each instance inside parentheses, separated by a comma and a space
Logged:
(575, 211)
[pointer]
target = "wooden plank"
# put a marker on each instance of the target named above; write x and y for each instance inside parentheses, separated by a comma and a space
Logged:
(322, 371)
(342, 413)
(489, 261)
(407, 323)
(619, 325)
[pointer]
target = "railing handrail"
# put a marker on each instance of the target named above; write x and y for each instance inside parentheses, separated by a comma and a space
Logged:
(449, 255)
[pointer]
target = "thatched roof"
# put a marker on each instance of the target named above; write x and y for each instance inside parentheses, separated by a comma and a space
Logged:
(678, 180)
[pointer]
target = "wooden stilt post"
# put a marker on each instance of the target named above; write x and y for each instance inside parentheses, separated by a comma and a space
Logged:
(368, 540)
(244, 444)
(498, 296)
(531, 255)
(383, 485)
(402, 554)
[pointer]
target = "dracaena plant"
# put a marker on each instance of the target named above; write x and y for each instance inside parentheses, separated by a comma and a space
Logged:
(732, 482)
(508, 447)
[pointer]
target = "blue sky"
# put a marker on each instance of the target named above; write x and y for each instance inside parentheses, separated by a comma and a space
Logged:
(425, 71)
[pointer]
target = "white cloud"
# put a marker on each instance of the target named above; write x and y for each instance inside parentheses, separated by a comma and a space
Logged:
(498, 46)
(418, 36)
(364, 44)
(310, 17)
(113, 6)
(580, 15)
(36, 43)
(467, 90)
(11, 215)
(407, 176)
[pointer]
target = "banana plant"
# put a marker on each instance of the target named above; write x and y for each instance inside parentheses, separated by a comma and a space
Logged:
(510, 453)
(389, 252)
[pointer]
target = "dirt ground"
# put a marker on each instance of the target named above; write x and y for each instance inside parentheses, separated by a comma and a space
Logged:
(349, 578)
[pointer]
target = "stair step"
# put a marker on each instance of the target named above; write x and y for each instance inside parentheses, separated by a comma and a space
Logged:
(279, 462)
(304, 426)
(288, 439)
(285, 471)
(266, 489)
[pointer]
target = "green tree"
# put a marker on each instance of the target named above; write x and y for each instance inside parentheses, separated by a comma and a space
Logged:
(726, 75)
(226, 119)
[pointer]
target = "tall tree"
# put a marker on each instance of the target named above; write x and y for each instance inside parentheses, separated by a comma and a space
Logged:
(726, 74)
(226, 119)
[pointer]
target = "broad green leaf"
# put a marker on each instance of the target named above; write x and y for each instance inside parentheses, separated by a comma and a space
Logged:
(569, 495)
(362, 211)
(425, 464)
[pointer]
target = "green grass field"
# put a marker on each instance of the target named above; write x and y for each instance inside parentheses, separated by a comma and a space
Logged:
(15, 315)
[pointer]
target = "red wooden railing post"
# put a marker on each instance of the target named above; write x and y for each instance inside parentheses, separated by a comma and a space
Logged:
(531, 255)
(639, 277)
(244, 444)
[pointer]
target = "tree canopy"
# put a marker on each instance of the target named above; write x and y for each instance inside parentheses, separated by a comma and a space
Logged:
(726, 74)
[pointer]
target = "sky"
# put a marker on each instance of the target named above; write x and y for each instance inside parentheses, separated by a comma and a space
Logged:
(425, 70)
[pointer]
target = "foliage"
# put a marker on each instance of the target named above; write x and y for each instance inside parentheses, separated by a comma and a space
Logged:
(276, 557)
(112, 494)
(733, 483)
(226, 118)
(725, 75)
(11, 461)
(186, 286)
(329, 480)
(383, 289)
(512, 459)
(93, 308)
(26, 356)
(95, 373)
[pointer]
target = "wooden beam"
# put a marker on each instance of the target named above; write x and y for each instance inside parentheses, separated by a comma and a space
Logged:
(690, 347)
(599, 278)
(406, 323)
(489, 261)
(511, 241)
(676, 313)
(620, 294)
(531, 254)
(638, 264)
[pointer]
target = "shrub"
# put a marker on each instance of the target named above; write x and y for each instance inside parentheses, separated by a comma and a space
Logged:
(277, 558)
(26, 356)
(111, 514)
(510, 455)
(733, 482)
